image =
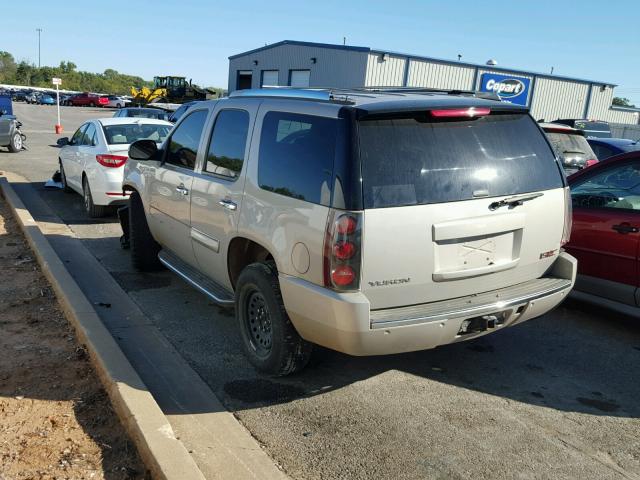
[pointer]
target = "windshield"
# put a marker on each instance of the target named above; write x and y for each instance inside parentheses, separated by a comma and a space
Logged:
(421, 160)
(125, 134)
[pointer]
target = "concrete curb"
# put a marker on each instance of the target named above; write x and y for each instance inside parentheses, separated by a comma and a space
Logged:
(163, 454)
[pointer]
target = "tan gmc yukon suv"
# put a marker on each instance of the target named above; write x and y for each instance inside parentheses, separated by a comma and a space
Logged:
(368, 221)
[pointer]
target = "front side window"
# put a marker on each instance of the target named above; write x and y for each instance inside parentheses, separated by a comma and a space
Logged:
(228, 141)
(296, 156)
(615, 187)
(183, 146)
(77, 137)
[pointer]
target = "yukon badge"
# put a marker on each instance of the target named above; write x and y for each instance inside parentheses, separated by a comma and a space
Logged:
(386, 283)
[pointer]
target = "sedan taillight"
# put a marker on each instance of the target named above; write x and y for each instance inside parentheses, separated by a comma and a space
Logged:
(343, 250)
(112, 161)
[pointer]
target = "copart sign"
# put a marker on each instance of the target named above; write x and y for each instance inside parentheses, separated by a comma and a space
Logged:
(508, 88)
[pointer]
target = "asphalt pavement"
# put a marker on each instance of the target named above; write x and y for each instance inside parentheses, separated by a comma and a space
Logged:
(556, 397)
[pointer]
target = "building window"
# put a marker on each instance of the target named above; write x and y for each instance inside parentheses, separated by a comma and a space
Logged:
(299, 78)
(245, 79)
(269, 78)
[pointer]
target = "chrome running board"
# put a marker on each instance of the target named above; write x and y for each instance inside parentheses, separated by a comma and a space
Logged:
(193, 277)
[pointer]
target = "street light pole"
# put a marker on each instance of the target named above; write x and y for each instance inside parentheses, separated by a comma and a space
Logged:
(39, 30)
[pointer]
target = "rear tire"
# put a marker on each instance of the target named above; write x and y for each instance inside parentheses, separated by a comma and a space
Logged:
(93, 210)
(144, 249)
(270, 340)
(15, 145)
(63, 180)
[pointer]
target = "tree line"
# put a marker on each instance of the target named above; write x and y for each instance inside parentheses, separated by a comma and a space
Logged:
(24, 73)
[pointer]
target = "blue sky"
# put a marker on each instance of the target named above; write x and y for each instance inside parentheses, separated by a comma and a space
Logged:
(588, 39)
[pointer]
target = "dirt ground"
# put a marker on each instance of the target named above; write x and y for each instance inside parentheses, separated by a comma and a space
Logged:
(56, 421)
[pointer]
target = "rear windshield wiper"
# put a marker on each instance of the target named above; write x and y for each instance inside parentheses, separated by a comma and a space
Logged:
(514, 201)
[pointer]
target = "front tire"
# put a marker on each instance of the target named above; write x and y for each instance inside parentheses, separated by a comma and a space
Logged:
(270, 340)
(93, 210)
(144, 249)
(15, 145)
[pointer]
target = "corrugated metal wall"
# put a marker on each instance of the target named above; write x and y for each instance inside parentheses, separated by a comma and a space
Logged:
(333, 67)
(384, 73)
(554, 99)
(438, 75)
(600, 107)
(550, 98)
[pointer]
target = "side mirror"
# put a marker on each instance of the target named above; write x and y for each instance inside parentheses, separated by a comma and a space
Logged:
(143, 150)
(61, 142)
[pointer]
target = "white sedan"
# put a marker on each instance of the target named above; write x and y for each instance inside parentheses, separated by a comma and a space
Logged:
(92, 162)
(116, 101)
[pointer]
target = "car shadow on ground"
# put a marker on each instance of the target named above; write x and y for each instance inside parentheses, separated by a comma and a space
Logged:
(574, 359)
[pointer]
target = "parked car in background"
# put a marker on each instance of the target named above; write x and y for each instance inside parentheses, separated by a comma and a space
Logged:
(444, 224)
(10, 135)
(571, 146)
(115, 101)
(92, 161)
(88, 100)
(45, 99)
(66, 99)
(606, 232)
(142, 112)
(19, 96)
(608, 147)
(31, 97)
(591, 128)
(176, 114)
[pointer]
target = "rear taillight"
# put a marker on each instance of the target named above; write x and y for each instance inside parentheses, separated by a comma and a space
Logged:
(568, 217)
(343, 250)
(103, 101)
(113, 161)
(461, 112)
(592, 161)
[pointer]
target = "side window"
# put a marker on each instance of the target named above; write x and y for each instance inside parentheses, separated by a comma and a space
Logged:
(227, 145)
(77, 137)
(89, 134)
(296, 156)
(615, 187)
(183, 145)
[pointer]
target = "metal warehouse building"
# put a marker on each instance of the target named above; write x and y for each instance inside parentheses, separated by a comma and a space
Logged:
(306, 64)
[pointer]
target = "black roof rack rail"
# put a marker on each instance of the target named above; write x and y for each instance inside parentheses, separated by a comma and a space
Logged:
(317, 94)
(419, 90)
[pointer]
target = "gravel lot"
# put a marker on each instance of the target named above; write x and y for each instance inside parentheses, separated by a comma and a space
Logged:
(554, 398)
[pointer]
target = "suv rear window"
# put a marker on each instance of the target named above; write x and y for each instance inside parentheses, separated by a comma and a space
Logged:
(570, 143)
(421, 160)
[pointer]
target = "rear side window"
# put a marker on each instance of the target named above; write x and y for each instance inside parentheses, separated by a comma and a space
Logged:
(183, 146)
(228, 141)
(421, 160)
(296, 156)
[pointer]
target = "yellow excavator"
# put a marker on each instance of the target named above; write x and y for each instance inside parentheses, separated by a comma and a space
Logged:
(170, 90)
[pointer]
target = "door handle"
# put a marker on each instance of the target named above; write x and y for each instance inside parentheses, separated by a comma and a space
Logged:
(625, 228)
(228, 204)
(181, 189)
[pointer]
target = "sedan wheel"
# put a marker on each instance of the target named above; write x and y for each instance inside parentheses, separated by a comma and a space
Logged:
(16, 143)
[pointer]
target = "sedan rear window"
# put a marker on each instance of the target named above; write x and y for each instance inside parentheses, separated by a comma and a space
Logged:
(129, 133)
(422, 160)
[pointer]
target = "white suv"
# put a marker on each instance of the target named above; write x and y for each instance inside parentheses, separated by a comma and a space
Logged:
(367, 221)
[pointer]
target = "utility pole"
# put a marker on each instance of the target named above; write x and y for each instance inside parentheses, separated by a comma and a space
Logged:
(39, 30)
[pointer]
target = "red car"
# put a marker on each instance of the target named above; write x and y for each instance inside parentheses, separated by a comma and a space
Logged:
(88, 100)
(606, 232)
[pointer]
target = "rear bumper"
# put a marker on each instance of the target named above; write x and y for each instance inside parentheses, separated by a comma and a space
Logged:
(344, 321)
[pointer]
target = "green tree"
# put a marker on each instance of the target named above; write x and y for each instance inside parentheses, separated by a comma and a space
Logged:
(8, 67)
(622, 102)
